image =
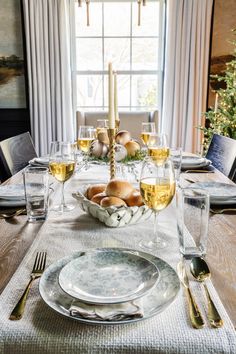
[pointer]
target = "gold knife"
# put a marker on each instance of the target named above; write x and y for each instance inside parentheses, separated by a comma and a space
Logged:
(194, 312)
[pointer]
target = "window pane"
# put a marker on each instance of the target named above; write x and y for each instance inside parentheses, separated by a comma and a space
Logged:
(95, 28)
(144, 54)
(89, 54)
(117, 51)
(123, 90)
(117, 19)
(89, 90)
(149, 19)
(144, 90)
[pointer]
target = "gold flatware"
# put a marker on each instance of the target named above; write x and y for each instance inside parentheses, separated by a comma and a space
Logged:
(198, 171)
(201, 272)
(190, 180)
(194, 312)
(221, 211)
(12, 214)
(37, 271)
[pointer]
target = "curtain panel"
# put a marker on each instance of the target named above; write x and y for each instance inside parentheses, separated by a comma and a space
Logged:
(186, 71)
(48, 45)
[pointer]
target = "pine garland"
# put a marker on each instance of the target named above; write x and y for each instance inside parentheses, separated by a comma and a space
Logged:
(223, 121)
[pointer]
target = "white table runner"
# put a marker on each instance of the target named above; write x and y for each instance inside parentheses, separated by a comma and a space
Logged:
(41, 330)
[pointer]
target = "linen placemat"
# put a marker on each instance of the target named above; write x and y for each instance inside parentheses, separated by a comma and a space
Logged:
(41, 330)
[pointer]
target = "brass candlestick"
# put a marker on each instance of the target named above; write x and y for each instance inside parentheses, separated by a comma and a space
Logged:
(117, 125)
(111, 134)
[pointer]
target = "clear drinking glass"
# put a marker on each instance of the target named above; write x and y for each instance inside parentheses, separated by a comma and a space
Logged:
(147, 129)
(62, 166)
(36, 184)
(176, 158)
(192, 221)
(157, 187)
(158, 148)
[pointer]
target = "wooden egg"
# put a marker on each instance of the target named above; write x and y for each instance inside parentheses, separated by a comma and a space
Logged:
(98, 149)
(122, 137)
(132, 147)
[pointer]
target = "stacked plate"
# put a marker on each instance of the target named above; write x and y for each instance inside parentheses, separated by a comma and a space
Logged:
(12, 195)
(194, 162)
(220, 193)
(107, 280)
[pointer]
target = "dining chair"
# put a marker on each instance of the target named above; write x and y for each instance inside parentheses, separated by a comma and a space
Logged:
(222, 154)
(15, 152)
(131, 121)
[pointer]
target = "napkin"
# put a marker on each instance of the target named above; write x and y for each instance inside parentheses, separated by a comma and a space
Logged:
(39, 161)
(12, 192)
(111, 312)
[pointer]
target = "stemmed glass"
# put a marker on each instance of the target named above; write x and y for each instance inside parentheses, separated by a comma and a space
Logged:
(62, 166)
(86, 135)
(158, 148)
(157, 187)
(147, 129)
(102, 125)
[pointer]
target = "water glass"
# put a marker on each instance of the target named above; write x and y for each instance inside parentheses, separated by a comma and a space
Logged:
(192, 221)
(36, 184)
(176, 158)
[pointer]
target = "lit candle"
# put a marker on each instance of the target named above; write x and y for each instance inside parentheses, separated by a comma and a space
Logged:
(115, 97)
(216, 103)
(111, 117)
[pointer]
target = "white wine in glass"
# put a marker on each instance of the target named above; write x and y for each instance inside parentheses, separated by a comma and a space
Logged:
(62, 166)
(147, 129)
(158, 148)
(157, 187)
(86, 135)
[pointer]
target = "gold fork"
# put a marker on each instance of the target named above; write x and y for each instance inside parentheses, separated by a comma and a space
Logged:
(37, 271)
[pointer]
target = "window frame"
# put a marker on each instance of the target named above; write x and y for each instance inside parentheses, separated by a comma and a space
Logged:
(159, 72)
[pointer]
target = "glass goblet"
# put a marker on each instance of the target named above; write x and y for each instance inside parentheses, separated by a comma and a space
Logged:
(158, 148)
(157, 187)
(147, 129)
(86, 135)
(62, 166)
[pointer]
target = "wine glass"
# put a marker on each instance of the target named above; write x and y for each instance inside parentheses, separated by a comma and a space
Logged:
(86, 135)
(147, 129)
(157, 187)
(62, 166)
(158, 148)
(102, 125)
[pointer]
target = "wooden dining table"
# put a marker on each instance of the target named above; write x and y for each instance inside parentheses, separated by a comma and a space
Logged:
(17, 237)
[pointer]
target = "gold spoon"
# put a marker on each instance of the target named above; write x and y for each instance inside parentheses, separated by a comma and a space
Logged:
(11, 215)
(201, 272)
(221, 211)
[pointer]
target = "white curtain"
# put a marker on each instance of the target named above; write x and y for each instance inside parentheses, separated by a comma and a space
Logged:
(186, 71)
(47, 28)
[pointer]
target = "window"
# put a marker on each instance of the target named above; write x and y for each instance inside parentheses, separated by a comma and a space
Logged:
(135, 51)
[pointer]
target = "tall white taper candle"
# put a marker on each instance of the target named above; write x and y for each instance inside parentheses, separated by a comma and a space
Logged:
(116, 97)
(111, 117)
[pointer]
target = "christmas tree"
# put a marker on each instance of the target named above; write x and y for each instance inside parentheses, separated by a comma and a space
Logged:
(222, 120)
